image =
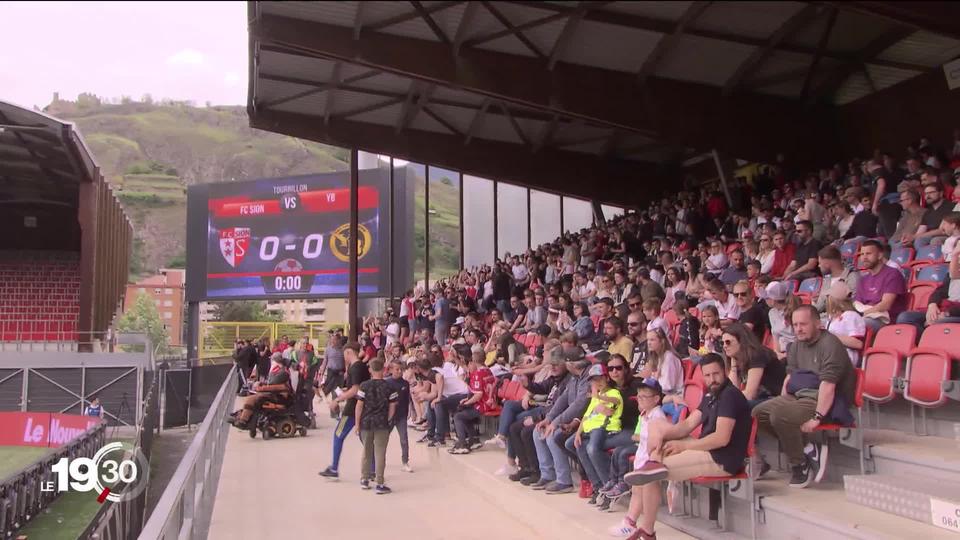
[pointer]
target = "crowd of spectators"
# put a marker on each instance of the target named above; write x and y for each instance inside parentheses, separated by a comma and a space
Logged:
(595, 328)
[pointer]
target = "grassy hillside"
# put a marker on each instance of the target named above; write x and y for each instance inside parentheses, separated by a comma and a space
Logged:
(151, 152)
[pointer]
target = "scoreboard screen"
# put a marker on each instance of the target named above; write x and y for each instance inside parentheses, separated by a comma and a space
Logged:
(286, 237)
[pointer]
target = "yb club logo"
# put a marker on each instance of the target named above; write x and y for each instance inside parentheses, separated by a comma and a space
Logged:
(340, 242)
(233, 244)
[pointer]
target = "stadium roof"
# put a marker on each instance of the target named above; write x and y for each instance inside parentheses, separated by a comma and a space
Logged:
(576, 95)
(42, 159)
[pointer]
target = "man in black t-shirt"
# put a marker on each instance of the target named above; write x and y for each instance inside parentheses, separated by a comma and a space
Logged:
(804, 263)
(720, 450)
(357, 373)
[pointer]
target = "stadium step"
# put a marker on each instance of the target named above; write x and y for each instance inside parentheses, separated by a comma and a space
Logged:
(822, 511)
(901, 454)
(912, 497)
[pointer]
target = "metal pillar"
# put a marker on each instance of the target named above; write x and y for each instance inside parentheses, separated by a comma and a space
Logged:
(426, 227)
(352, 305)
(496, 223)
(723, 178)
(193, 331)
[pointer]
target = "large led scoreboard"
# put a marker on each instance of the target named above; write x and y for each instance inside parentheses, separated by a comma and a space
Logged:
(287, 237)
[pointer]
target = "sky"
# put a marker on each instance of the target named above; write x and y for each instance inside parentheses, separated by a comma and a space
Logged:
(179, 50)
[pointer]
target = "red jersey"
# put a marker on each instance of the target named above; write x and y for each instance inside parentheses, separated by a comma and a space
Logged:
(482, 380)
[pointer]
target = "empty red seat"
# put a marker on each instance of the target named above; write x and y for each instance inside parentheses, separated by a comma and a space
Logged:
(883, 362)
(930, 364)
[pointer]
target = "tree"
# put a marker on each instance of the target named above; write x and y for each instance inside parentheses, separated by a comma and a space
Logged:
(244, 311)
(143, 318)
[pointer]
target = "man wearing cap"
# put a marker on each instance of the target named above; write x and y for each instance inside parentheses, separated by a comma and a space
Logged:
(818, 373)
(833, 270)
(724, 419)
(539, 398)
(560, 423)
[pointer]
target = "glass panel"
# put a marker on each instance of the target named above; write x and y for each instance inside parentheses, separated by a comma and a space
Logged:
(610, 212)
(444, 215)
(544, 217)
(477, 221)
(577, 214)
(512, 217)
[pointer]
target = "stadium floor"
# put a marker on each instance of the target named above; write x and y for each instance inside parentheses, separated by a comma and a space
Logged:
(446, 497)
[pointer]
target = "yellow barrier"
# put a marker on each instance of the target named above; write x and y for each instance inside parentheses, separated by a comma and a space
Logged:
(217, 339)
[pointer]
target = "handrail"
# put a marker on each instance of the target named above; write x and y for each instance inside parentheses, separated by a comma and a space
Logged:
(186, 505)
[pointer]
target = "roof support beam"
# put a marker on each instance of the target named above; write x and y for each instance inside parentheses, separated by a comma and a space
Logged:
(427, 18)
(569, 28)
(404, 17)
(864, 56)
(442, 121)
(469, 13)
(358, 20)
(512, 28)
(665, 26)
(937, 17)
(668, 41)
(760, 55)
(551, 170)
(477, 119)
(513, 122)
(331, 94)
(546, 134)
(673, 111)
(320, 87)
(821, 47)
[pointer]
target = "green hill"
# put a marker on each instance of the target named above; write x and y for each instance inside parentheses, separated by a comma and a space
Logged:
(150, 152)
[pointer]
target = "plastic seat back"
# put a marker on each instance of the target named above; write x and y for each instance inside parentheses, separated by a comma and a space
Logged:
(792, 285)
(933, 274)
(692, 395)
(687, 369)
(929, 253)
(920, 297)
(810, 286)
(880, 368)
(930, 364)
(902, 255)
(696, 376)
(898, 337)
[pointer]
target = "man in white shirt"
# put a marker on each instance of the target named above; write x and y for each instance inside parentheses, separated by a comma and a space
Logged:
(717, 260)
(584, 287)
(452, 390)
(726, 303)
(521, 276)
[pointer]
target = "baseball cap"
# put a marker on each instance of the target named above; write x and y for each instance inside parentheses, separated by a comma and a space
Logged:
(597, 370)
(652, 384)
(777, 290)
(839, 290)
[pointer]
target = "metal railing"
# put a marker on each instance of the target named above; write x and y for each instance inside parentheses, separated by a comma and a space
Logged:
(21, 498)
(186, 505)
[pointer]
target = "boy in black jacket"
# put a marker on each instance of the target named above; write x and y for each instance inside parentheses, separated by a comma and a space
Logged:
(402, 388)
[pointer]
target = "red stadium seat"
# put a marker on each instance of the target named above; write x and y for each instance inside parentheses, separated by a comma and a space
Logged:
(692, 395)
(931, 274)
(920, 296)
(745, 475)
(930, 363)
(687, 369)
(883, 362)
(926, 255)
(809, 289)
(902, 255)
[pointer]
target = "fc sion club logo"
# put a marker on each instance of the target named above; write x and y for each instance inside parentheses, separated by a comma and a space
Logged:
(233, 244)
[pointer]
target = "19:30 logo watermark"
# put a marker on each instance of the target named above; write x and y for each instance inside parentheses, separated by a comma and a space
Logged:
(117, 472)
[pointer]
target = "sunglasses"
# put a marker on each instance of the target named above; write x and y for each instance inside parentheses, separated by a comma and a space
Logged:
(633, 324)
(728, 342)
(741, 294)
(614, 368)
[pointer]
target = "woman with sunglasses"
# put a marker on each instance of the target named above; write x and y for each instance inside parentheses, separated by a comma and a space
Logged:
(623, 380)
(753, 368)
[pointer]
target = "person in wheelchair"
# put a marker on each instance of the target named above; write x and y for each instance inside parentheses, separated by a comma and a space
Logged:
(277, 389)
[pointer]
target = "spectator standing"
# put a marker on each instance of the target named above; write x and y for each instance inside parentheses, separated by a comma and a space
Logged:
(358, 373)
(400, 386)
(376, 406)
